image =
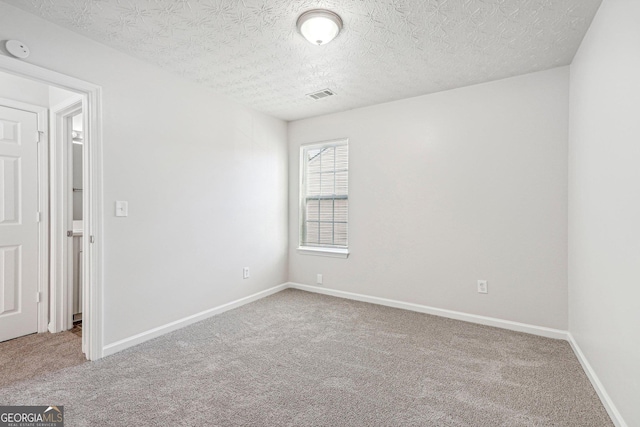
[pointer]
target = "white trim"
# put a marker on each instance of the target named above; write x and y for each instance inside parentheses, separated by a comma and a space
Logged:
(43, 206)
(473, 318)
(61, 247)
(93, 232)
(189, 320)
(324, 251)
(93, 321)
(327, 143)
(186, 321)
(32, 108)
(608, 404)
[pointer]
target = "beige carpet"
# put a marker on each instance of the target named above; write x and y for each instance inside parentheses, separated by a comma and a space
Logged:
(37, 355)
(302, 359)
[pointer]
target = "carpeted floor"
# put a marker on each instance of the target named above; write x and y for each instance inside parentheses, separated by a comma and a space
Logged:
(77, 329)
(36, 355)
(302, 359)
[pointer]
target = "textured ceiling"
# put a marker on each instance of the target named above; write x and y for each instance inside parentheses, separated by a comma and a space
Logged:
(389, 49)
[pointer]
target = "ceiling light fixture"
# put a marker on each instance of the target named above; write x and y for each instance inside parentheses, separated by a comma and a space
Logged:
(319, 26)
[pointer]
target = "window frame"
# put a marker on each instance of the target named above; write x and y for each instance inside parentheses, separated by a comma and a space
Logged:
(329, 251)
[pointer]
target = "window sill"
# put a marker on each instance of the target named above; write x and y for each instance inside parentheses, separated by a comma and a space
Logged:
(329, 252)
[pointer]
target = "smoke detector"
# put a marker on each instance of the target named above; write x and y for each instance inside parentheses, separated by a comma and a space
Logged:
(17, 49)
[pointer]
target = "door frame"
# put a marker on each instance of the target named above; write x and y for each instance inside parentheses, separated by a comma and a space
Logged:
(93, 220)
(61, 246)
(43, 205)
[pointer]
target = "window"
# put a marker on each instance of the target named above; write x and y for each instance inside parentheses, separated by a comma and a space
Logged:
(324, 198)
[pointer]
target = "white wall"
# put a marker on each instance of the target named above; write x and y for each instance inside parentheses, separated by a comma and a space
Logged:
(604, 204)
(58, 96)
(31, 92)
(206, 181)
(449, 188)
(23, 90)
(445, 189)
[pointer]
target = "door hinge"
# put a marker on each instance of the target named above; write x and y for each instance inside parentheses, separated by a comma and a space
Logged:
(38, 216)
(91, 239)
(39, 134)
(70, 233)
(38, 296)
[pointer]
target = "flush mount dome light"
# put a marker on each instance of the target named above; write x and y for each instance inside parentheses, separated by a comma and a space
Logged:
(319, 26)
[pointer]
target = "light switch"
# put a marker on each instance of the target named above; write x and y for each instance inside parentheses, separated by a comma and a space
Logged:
(122, 208)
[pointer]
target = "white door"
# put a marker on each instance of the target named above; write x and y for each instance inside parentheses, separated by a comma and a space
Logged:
(18, 223)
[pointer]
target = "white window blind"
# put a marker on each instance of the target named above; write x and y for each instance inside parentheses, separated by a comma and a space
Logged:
(324, 199)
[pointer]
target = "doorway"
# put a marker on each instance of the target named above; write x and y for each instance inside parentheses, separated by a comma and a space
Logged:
(67, 183)
(76, 173)
(81, 263)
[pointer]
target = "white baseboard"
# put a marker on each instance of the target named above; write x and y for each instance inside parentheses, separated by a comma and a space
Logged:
(117, 346)
(181, 323)
(613, 412)
(457, 315)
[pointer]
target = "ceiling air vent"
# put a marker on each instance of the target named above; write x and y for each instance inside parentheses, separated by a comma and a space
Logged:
(321, 94)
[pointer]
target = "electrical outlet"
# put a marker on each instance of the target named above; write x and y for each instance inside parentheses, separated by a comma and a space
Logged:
(483, 287)
(245, 273)
(319, 279)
